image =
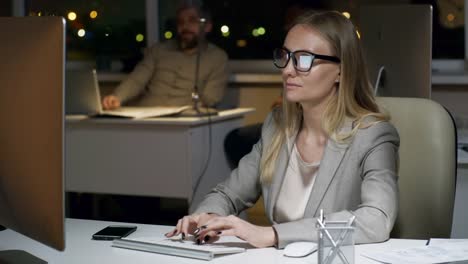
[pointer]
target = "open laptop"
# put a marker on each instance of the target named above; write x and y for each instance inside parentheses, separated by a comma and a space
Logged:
(83, 98)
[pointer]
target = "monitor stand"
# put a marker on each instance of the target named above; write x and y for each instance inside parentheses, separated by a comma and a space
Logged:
(19, 256)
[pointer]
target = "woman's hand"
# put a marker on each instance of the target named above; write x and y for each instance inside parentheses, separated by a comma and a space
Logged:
(188, 224)
(257, 236)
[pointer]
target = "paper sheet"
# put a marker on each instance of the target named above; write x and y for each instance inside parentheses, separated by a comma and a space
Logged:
(439, 252)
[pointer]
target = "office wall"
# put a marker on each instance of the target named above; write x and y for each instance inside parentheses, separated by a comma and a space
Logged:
(454, 98)
(260, 97)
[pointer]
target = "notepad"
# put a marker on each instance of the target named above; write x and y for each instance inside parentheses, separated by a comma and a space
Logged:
(142, 112)
(181, 248)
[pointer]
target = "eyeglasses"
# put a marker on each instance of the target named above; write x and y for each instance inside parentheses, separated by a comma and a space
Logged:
(302, 60)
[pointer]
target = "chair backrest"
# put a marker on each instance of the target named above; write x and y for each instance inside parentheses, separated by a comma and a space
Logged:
(427, 172)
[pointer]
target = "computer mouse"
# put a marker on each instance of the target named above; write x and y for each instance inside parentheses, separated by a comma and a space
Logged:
(300, 249)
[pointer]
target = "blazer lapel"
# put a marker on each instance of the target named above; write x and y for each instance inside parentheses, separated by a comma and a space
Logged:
(331, 160)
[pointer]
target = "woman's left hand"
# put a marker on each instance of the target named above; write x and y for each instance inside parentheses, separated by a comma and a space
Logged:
(257, 236)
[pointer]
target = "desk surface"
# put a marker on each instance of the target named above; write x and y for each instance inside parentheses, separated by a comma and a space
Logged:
(81, 249)
(162, 157)
(222, 115)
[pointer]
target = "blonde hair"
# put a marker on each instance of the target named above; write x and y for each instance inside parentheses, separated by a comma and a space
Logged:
(354, 98)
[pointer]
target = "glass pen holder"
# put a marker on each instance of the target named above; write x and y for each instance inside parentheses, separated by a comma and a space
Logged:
(336, 243)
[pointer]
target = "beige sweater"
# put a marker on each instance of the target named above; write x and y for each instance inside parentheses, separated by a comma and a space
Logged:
(166, 76)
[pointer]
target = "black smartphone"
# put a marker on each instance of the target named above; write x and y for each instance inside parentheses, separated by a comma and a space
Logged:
(114, 231)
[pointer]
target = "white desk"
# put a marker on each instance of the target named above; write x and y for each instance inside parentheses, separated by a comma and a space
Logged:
(161, 157)
(81, 249)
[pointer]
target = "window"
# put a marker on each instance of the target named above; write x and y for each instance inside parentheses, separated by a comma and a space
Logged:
(448, 28)
(256, 27)
(104, 31)
(5, 8)
(246, 29)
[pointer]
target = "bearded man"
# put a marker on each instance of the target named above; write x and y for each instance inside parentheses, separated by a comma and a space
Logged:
(166, 75)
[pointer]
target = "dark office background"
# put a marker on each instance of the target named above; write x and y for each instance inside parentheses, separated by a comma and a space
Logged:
(5, 8)
(111, 36)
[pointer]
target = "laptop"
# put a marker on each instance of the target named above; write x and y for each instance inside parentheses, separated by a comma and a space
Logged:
(83, 98)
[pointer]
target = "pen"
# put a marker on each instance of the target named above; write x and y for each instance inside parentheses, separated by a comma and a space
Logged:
(326, 232)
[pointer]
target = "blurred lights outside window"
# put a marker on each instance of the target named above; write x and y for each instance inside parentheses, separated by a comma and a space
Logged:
(263, 23)
(115, 30)
(224, 29)
(139, 37)
(100, 30)
(168, 35)
(71, 16)
(93, 14)
(81, 33)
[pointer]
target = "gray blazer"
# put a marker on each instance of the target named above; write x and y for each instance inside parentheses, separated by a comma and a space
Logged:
(357, 178)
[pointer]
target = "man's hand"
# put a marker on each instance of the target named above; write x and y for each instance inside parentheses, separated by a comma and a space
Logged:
(110, 102)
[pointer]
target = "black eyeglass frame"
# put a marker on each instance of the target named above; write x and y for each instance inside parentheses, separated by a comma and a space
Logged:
(290, 54)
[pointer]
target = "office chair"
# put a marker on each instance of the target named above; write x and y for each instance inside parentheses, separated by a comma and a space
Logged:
(428, 163)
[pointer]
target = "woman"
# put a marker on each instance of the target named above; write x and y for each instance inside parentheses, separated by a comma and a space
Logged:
(329, 147)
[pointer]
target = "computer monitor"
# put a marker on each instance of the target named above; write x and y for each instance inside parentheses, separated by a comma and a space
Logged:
(397, 41)
(32, 54)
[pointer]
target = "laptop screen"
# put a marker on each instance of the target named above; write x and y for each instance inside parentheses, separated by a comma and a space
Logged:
(82, 95)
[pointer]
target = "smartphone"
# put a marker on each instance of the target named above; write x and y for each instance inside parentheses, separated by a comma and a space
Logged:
(114, 231)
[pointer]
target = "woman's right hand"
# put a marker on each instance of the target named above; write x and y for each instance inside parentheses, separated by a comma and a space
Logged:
(110, 102)
(189, 223)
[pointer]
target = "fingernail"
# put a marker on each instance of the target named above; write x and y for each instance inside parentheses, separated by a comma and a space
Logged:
(207, 238)
(219, 232)
(170, 233)
(183, 236)
(196, 231)
(198, 241)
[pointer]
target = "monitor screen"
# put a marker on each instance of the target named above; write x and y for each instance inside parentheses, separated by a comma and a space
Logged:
(32, 53)
(397, 41)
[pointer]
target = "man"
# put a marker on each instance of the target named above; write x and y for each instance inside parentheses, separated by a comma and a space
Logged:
(168, 69)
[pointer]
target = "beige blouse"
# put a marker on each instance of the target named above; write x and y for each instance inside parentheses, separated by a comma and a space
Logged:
(296, 188)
